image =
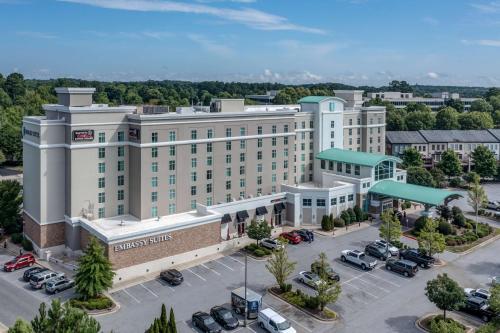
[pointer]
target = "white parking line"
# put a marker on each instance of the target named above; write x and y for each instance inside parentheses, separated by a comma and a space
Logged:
(213, 270)
(189, 284)
(150, 291)
(131, 296)
(164, 284)
(251, 329)
(366, 292)
(201, 277)
(220, 263)
(237, 260)
(390, 282)
(373, 284)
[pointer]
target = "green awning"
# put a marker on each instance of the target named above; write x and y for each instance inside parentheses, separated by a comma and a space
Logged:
(355, 157)
(421, 194)
(318, 99)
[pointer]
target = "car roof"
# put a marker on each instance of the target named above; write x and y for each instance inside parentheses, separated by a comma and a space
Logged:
(407, 262)
(271, 314)
(201, 314)
(477, 300)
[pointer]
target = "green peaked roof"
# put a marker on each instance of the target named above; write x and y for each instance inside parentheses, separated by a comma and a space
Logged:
(314, 99)
(422, 194)
(355, 157)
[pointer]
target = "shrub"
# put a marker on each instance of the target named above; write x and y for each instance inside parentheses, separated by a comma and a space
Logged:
(16, 238)
(480, 211)
(445, 228)
(252, 247)
(259, 253)
(326, 224)
(365, 216)
(419, 223)
(439, 325)
(266, 251)
(27, 245)
(98, 303)
(406, 204)
(352, 215)
(346, 217)
(311, 302)
(359, 213)
(286, 287)
(456, 182)
(455, 210)
(459, 220)
(338, 222)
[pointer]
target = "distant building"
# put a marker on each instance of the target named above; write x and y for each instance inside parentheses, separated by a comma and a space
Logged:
(268, 98)
(401, 100)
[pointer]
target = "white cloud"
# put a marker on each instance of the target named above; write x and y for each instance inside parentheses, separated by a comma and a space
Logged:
(430, 20)
(488, 7)
(482, 42)
(127, 34)
(36, 34)
(213, 47)
(432, 75)
(252, 18)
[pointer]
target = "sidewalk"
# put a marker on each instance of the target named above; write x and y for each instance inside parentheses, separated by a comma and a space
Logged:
(342, 231)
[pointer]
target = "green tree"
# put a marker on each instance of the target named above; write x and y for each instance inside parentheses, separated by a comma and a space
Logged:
(259, 230)
(475, 121)
(412, 158)
(456, 104)
(10, 132)
(40, 323)
(327, 293)
(321, 266)
(476, 198)
(10, 205)
(445, 293)
(481, 105)
(438, 176)
(450, 164)
(396, 119)
(419, 176)
(390, 228)
(280, 267)
(94, 274)
(485, 163)
(473, 177)
(447, 119)
(326, 223)
(20, 326)
(163, 324)
(494, 300)
(171, 322)
(429, 239)
(420, 120)
(5, 99)
(14, 86)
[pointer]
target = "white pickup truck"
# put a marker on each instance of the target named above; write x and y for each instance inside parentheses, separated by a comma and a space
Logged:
(358, 258)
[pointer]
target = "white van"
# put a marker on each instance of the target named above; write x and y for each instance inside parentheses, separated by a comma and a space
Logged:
(273, 322)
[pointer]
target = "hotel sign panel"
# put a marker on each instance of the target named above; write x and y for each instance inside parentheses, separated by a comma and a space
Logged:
(142, 242)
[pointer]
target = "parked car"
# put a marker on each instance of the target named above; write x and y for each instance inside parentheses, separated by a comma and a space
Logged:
(32, 271)
(205, 323)
(21, 261)
(253, 302)
(495, 205)
(38, 281)
(272, 244)
(309, 232)
(405, 267)
(416, 256)
(306, 237)
(392, 249)
(291, 237)
(358, 258)
(58, 284)
(330, 273)
(481, 293)
(225, 317)
(377, 251)
(310, 278)
(172, 276)
(273, 322)
(478, 307)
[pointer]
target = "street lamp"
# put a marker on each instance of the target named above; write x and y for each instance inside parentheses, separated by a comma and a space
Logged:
(246, 303)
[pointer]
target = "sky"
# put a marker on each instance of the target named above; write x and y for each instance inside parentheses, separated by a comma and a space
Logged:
(359, 42)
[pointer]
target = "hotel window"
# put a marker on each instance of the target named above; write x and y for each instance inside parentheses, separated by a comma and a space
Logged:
(193, 190)
(273, 178)
(228, 197)
(339, 167)
(307, 202)
(102, 152)
(228, 132)
(102, 137)
(350, 122)
(285, 164)
(209, 147)
(273, 129)
(242, 131)
(332, 144)
(311, 135)
(121, 151)
(342, 199)
(193, 176)
(303, 135)
(101, 212)
(121, 209)
(121, 180)
(193, 204)
(171, 150)
(194, 162)
(171, 194)
(356, 170)
(350, 131)
(243, 144)
(311, 124)
(242, 182)
(242, 194)
(348, 168)
(228, 145)
(332, 135)
(154, 211)
(171, 208)
(259, 167)
(320, 202)
(285, 140)
(378, 130)
(303, 124)
(194, 134)
(209, 160)
(102, 167)
(273, 142)
(154, 137)
(285, 128)
(350, 141)
(273, 166)
(331, 106)
(384, 170)
(242, 169)
(302, 146)
(101, 197)
(358, 141)
(371, 140)
(121, 194)
(228, 159)
(210, 133)
(209, 188)
(259, 143)
(273, 153)
(171, 136)
(285, 176)
(154, 152)
(285, 152)
(303, 157)
(350, 197)
(371, 131)
(209, 174)
(259, 180)
(333, 201)
(171, 165)
(121, 136)
(193, 148)
(259, 130)
(242, 157)
(171, 180)
(259, 155)
(209, 201)
(259, 191)
(154, 181)
(154, 167)
(359, 131)
(101, 182)
(228, 172)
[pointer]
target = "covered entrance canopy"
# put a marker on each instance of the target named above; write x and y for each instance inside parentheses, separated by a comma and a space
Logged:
(428, 196)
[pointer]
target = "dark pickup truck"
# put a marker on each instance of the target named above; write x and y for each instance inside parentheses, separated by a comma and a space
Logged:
(417, 257)
(478, 307)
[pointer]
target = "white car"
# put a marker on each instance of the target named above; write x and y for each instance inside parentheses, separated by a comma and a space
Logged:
(272, 244)
(392, 249)
(273, 322)
(311, 279)
(481, 293)
(495, 205)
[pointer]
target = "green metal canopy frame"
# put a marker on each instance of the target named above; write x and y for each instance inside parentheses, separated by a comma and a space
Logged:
(421, 194)
(355, 157)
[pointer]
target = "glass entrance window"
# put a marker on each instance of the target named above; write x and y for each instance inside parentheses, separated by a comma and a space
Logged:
(384, 170)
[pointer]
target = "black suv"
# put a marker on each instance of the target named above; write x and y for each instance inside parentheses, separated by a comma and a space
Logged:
(378, 252)
(32, 271)
(224, 317)
(405, 267)
(478, 307)
(205, 323)
(417, 257)
(172, 276)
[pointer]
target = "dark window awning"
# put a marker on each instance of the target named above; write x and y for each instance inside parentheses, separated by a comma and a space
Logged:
(260, 211)
(279, 207)
(226, 218)
(242, 215)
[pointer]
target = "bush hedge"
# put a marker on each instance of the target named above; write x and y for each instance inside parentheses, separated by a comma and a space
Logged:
(16, 238)
(338, 222)
(257, 250)
(352, 215)
(419, 224)
(359, 213)
(326, 223)
(98, 303)
(445, 228)
(27, 244)
(438, 324)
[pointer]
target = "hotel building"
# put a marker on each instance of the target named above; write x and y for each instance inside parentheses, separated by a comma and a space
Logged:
(435, 102)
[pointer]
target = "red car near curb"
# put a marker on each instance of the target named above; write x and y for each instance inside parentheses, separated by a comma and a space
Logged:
(19, 262)
(292, 237)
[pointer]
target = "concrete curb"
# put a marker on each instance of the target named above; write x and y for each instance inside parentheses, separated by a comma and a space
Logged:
(341, 231)
(100, 313)
(318, 319)
(420, 327)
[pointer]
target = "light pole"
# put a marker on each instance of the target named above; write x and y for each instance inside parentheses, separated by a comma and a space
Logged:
(246, 303)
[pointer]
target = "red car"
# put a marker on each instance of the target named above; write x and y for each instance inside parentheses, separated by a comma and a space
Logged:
(18, 262)
(292, 237)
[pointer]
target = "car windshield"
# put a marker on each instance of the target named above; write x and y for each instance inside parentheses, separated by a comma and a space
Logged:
(283, 326)
(208, 321)
(227, 315)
